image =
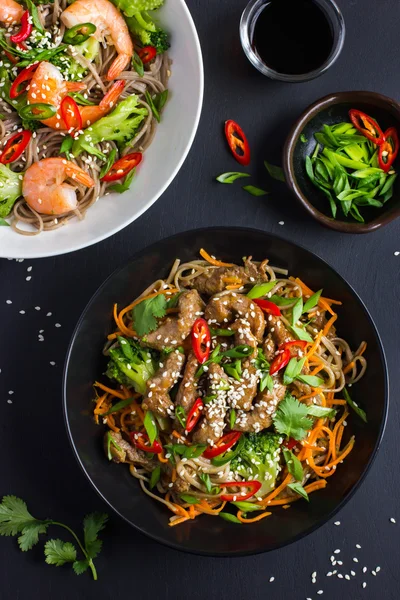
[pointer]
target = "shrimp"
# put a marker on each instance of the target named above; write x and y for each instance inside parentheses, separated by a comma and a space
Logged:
(48, 86)
(44, 189)
(109, 23)
(10, 12)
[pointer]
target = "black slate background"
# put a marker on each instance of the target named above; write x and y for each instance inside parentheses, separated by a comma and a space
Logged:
(36, 460)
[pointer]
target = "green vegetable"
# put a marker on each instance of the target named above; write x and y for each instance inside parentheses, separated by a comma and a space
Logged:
(134, 371)
(66, 146)
(246, 506)
(150, 102)
(293, 464)
(205, 478)
(312, 380)
(241, 351)
(3, 223)
(79, 33)
(123, 187)
(303, 138)
(321, 411)
(255, 191)
(259, 459)
(10, 189)
(275, 172)
(81, 100)
(232, 418)
(35, 15)
(137, 64)
(119, 126)
(190, 499)
(297, 311)
(222, 332)
(231, 176)
(312, 301)
(160, 100)
(290, 418)
(301, 333)
(16, 519)
(146, 313)
(111, 440)
(109, 163)
(228, 517)
(155, 477)
(118, 406)
(193, 451)
(261, 289)
(180, 414)
(360, 412)
(141, 24)
(298, 488)
(293, 370)
(150, 426)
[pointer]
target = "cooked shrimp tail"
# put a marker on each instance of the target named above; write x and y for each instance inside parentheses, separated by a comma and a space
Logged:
(10, 12)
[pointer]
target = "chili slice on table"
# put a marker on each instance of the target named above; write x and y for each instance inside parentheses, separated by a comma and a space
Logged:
(25, 31)
(237, 141)
(389, 149)
(147, 53)
(201, 340)
(71, 115)
(280, 361)
(123, 166)
(141, 441)
(253, 486)
(79, 33)
(268, 307)
(222, 445)
(194, 414)
(22, 78)
(15, 147)
(367, 126)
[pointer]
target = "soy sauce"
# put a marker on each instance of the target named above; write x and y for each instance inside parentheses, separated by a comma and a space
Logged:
(292, 36)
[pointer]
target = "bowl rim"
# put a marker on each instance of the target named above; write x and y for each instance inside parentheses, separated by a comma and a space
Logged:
(220, 230)
(290, 175)
(21, 252)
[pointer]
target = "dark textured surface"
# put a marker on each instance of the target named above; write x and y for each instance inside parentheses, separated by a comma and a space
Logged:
(37, 462)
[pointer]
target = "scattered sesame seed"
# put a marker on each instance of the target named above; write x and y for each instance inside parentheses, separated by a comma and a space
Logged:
(355, 559)
(281, 223)
(21, 312)
(58, 325)
(9, 401)
(397, 253)
(340, 576)
(377, 569)
(28, 278)
(337, 551)
(49, 314)
(353, 573)
(358, 546)
(8, 302)
(392, 520)
(347, 577)
(320, 592)
(271, 579)
(52, 363)
(373, 573)
(364, 569)
(337, 523)
(37, 307)
(364, 585)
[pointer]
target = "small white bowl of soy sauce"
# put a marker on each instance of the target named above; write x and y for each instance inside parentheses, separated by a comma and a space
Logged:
(292, 40)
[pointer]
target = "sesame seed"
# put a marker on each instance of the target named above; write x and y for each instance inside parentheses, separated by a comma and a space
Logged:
(397, 253)
(49, 314)
(353, 573)
(9, 401)
(364, 585)
(58, 325)
(355, 559)
(28, 278)
(271, 579)
(358, 546)
(336, 551)
(340, 576)
(52, 363)
(347, 577)
(392, 520)
(37, 307)
(282, 223)
(11, 392)
(364, 569)
(337, 523)
(320, 592)
(373, 573)
(21, 312)
(377, 569)
(8, 302)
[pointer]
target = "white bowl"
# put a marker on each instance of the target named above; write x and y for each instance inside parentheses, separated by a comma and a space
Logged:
(172, 142)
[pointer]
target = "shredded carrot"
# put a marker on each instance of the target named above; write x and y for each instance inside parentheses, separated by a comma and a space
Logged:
(329, 325)
(179, 510)
(308, 291)
(317, 369)
(236, 286)
(109, 390)
(327, 470)
(339, 436)
(277, 491)
(285, 506)
(213, 261)
(178, 521)
(111, 424)
(205, 507)
(232, 280)
(307, 396)
(122, 417)
(323, 303)
(180, 437)
(191, 511)
(254, 519)
(173, 475)
(161, 458)
(339, 402)
(315, 345)
(113, 336)
(349, 367)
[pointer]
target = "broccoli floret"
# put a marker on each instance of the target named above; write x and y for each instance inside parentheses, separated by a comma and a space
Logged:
(69, 67)
(131, 7)
(119, 126)
(143, 27)
(131, 365)
(259, 459)
(10, 189)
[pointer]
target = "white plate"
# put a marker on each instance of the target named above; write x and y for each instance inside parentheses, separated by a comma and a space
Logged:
(172, 142)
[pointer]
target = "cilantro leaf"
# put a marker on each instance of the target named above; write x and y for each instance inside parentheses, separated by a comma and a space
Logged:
(58, 552)
(30, 534)
(14, 516)
(298, 488)
(80, 566)
(293, 464)
(92, 525)
(290, 419)
(145, 314)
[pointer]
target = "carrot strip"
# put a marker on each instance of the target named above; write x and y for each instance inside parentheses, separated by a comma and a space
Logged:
(349, 367)
(178, 521)
(232, 280)
(213, 261)
(254, 519)
(109, 390)
(317, 369)
(113, 336)
(205, 507)
(111, 424)
(315, 345)
(191, 512)
(339, 402)
(329, 325)
(180, 437)
(161, 458)
(277, 491)
(236, 286)
(173, 475)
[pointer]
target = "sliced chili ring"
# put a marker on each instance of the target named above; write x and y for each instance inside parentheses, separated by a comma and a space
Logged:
(224, 458)
(268, 307)
(280, 361)
(194, 415)
(15, 147)
(237, 141)
(141, 441)
(123, 166)
(79, 33)
(201, 340)
(22, 78)
(147, 53)
(253, 486)
(290, 443)
(222, 445)
(71, 115)
(300, 343)
(25, 31)
(367, 126)
(38, 112)
(389, 149)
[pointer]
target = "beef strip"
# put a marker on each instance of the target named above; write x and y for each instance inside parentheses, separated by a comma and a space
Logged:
(128, 453)
(264, 407)
(243, 392)
(174, 330)
(225, 308)
(187, 393)
(157, 398)
(213, 281)
(269, 348)
(243, 335)
(212, 423)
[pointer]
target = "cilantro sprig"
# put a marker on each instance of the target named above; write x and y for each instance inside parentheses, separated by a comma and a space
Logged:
(146, 313)
(15, 519)
(291, 419)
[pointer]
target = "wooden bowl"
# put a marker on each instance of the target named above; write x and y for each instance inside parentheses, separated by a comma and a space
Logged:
(330, 110)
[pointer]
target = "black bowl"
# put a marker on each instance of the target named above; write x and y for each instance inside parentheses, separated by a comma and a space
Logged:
(210, 535)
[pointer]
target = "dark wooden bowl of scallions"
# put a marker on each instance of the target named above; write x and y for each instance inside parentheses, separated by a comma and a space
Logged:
(342, 166)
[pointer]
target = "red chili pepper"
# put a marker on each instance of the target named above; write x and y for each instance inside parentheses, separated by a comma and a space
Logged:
(147, 53)
(389, 149)
(15, 147)
(268, 307)
(201, 340)
(141, 439)
(300, 343)
(290, 443)
(123, 166)
(194, 414)
(25, 31)
(71, 115)
(253, 486)
(24, 77)
(367, 126)
(222, 445)
(279, 362)
(237, 141)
